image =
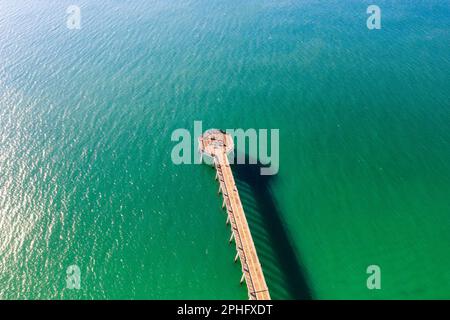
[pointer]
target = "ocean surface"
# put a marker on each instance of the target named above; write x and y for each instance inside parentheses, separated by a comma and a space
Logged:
(86, 118)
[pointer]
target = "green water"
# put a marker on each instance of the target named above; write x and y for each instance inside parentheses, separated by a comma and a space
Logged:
(86, 176)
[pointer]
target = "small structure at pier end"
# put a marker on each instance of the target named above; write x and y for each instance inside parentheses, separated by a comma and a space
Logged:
(217, 149)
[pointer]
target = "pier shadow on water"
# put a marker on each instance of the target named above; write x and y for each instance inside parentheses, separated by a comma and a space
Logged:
(281, 266)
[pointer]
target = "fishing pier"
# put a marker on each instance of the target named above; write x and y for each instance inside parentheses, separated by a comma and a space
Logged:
(216, 147)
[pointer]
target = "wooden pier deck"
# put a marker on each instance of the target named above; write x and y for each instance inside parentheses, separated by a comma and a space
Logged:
(246, 251)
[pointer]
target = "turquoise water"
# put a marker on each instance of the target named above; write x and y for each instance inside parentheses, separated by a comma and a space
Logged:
(86, 176)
